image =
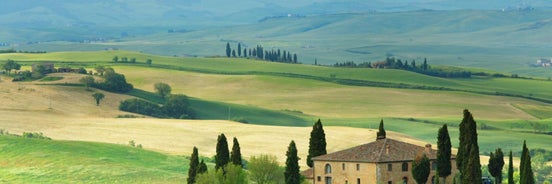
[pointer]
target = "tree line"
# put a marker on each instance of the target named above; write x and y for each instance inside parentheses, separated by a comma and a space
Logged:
(20, 51)
(393, 63)
(259, 52)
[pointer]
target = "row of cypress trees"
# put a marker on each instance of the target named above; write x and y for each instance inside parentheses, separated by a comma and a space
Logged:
(259, 52)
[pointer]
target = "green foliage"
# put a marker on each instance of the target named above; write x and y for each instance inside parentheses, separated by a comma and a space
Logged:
(421, 169)
(194, 166)
(264, 169)
(228, 49)
(100, 69)
(381, 131)
(178, 106)
(222, 157)
(496, 163)
(526, 172)
(87, 81)
(98, 97)
(11, 65)
(468, 152)
(444, 147)
(115, 59)
(235, 155)
(291, 174)
(162, 89)
(35, 135)
(140, 106)
(50, 78)
(229, 174)
(114, 82)
(317, 142)
(202, 167)
(149, 62)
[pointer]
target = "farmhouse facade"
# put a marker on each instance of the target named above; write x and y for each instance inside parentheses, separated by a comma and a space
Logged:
(385, 161)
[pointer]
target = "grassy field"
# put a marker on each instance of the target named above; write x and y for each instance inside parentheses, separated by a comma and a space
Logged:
(507, 41)
(279, 101)
(27, 160)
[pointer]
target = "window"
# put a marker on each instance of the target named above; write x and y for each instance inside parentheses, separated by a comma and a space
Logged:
(389, 167)
(405, 180)
(319, 178)
(358, 180)
(405, 166)
(328, 180)
(389, 182)
(328, 169)
(358, 167)
(343, 166)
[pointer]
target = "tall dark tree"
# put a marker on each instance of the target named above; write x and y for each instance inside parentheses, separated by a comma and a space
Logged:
(420, 169)
(239, 50)
(425, 66)
(202, 168)
(381, 131)
(291, 174)
(510, 169)
(496, 163)
(233, 53)
(526, 175)
(194, 165)
(223, 156)
(443, 152)
(294, 58)
(317, 142)
(244, 52)
(235, 155)
(228, 49)
(470, 173)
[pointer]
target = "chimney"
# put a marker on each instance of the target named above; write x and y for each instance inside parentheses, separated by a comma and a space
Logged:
(428, 148)
(387, 149)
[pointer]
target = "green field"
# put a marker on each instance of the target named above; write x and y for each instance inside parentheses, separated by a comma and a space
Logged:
(292, 96)
(27, 160)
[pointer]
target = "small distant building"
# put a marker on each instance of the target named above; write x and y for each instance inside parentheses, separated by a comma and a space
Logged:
(385, 161)
(48, 67)
(544, 62)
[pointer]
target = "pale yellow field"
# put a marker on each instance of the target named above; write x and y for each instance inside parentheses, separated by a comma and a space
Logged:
(326, 99)
(74, 116)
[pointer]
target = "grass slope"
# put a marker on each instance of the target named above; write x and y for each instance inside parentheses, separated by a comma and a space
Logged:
(46, 161)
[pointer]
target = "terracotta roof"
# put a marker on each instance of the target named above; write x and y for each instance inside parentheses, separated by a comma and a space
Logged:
(377, 151)
(308, 174)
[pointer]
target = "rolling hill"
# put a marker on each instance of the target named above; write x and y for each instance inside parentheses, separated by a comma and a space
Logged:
(272, 92)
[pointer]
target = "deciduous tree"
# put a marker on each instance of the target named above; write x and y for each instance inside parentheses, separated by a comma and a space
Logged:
(420, 169)
(11, 65)
(98, 97)
(162, 89)
(264, 169)
(87, 81)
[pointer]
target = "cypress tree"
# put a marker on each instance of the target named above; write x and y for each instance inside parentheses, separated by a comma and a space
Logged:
(443, 152)
(420, 168)
(468, 141)
(472, 168)
(294, 58)
(526, 171)
(222, 157)
(510, 169)
(317, 142)
(194, 164)
(202, 167)
(291, 173)
(235, 156)
(228, 49)
(381, 131)
(244, 52)
(239, 50)
(233, 53)
(499, 156)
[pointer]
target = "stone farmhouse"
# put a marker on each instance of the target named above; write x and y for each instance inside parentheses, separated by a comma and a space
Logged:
(544, 62)
(385, 161)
